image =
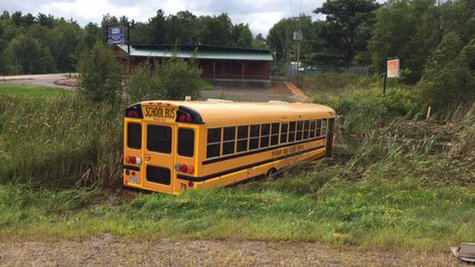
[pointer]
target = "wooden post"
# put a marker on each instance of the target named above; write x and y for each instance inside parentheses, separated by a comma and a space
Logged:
(384, 84)
(214, 70)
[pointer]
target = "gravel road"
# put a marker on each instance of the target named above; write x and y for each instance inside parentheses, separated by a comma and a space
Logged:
(38, 79)
(109, 251)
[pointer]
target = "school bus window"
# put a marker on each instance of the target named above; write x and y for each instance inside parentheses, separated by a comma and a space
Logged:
(283, 132)
(319, 128)
(299, 130)
(292, 132)
(214, 142)
(312, 129)
(265, 129)
(324, 127)
(186, 137)
(229, 136)
(159, 138)
(274, 140)
(134, 135)
(243, 132)
(305, 129)
(254, 137)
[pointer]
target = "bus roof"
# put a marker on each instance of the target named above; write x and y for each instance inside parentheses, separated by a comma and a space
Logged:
(221, 112)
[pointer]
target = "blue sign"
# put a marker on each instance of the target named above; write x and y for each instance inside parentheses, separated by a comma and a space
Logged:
(116, 35)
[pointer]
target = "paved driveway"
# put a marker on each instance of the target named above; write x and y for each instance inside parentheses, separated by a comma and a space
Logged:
(38, 79)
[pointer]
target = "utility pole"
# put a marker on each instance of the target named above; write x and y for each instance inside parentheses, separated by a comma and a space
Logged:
(128, 48)
(298, 36)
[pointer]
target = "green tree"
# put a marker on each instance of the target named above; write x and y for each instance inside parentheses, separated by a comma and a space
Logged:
(215, 30)
(182, 28)
(93, 34)
(68, 38)
(242, 35)
(143, 84)
(408, 29)
(347, 26)
(179, 78)
(281, 42)
(100, 75)
(447, 80)
(259, 42)
(26, 55)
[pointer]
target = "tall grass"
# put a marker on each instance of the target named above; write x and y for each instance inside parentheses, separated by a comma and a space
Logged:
(405, 183)
(58, 141)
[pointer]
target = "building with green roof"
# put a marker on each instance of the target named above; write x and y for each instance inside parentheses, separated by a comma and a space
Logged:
(223, 65)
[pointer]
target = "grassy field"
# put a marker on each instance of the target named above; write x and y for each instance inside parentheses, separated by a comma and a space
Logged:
(396, 182)
(30, 90)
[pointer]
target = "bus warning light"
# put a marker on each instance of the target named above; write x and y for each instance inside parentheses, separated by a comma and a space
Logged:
(184, 168)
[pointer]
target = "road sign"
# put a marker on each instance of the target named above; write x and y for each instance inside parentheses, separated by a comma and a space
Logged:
(392, 68)
(116, 35)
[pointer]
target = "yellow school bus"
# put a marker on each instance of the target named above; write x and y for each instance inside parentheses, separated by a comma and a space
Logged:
(170, 146)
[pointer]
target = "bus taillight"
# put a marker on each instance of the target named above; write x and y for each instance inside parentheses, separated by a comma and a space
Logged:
(185, 118)
(184, 168)
(133, 160)
(134, 111)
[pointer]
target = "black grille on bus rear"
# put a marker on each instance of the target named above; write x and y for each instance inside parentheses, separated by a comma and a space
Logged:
(159, 175)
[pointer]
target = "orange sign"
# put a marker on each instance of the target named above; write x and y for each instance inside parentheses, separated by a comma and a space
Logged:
(392, 68)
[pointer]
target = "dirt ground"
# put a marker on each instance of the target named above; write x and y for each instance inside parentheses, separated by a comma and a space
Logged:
(109, 251)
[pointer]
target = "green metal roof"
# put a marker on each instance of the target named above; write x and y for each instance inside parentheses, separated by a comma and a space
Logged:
(199, 52)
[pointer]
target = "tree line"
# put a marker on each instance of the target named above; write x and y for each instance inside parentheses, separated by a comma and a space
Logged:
(43, 43)
(363, 32)
(356, 32)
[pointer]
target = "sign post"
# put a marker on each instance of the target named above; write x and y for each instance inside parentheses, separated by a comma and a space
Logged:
(392, 70)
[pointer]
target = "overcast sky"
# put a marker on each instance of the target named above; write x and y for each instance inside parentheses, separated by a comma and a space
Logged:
(259, 14)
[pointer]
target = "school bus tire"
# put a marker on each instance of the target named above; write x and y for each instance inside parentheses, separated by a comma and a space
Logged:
(271, 172)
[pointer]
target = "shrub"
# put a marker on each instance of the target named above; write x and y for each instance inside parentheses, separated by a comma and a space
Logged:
(447, 80)
(143, 84)
(100, 75)
(179, 78)
(174, 79)
(362, 110)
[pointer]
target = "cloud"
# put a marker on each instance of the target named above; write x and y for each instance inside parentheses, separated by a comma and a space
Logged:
(260, 15)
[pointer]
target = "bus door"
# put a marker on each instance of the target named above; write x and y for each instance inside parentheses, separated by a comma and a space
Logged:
(159, 156)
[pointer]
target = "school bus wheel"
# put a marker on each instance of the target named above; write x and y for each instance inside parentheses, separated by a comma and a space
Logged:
(271, 172)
